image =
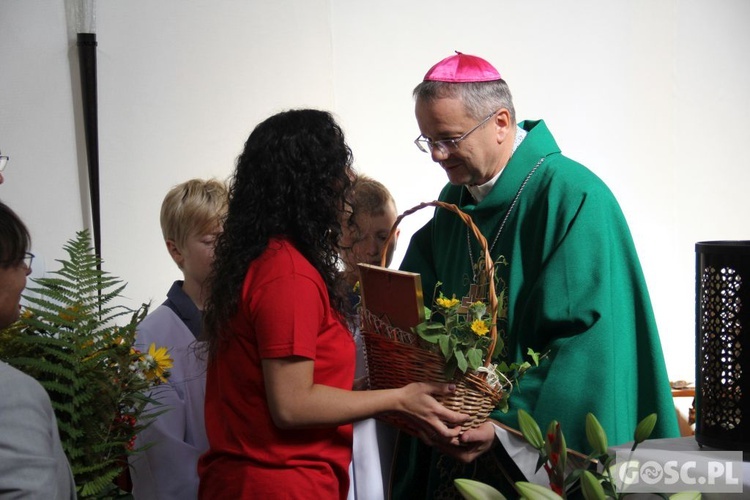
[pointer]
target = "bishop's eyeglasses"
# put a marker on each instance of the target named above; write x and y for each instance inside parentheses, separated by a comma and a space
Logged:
(445, 146)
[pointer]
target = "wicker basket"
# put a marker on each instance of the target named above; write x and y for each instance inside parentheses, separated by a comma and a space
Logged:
(395, 357)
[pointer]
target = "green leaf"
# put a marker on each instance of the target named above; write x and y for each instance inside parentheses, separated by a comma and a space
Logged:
(530, 430)
(446, 346)
(430, 331)
(475, 358)
(450, 322)
(595, 434)
(475, 490)
(686, 495)
(591, 487)
(461, 361)
(535, 491)
(644, 428)
(523, 367)
(499, 345)
(574, 475)
(609, 489)
(533, 355)
(540, 461)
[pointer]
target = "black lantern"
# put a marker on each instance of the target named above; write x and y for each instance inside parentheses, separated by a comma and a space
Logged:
(722, 328)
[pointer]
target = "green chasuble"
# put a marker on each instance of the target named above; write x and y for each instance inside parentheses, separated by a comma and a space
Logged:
(575, 288)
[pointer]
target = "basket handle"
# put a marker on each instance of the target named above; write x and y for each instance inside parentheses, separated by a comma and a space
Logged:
(489, 266)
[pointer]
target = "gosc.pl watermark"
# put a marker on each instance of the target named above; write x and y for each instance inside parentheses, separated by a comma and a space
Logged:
(666, 471)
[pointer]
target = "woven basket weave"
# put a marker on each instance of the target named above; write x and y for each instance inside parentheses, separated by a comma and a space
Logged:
(396, 357)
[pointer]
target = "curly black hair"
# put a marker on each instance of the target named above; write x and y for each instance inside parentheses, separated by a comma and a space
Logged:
(291, 180)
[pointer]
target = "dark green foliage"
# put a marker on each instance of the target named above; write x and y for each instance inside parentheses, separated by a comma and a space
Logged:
(69, 339)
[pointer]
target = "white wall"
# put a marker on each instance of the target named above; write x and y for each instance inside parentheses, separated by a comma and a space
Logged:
(649, 94)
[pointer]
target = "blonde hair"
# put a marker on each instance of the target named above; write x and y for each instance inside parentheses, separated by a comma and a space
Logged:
(370, 197)
(193, 207)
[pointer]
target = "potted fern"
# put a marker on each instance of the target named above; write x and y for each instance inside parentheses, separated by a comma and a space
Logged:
(78, 343)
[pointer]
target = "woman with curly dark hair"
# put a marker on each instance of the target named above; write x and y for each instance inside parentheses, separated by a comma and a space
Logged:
(279, 403)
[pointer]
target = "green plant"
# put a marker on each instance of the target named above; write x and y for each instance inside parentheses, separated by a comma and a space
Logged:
(69, 340)
(594, 477)
(460, 334)
(462, 338)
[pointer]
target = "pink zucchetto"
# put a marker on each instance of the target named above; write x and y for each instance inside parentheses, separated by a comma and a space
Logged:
(462, 68)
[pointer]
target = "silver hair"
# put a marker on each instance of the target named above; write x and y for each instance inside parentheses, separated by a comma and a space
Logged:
(479, 98)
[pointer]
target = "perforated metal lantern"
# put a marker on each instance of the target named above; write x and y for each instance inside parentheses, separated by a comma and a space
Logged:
(722, 324)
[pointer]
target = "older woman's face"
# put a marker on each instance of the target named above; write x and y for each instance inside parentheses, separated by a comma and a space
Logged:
(12, 283)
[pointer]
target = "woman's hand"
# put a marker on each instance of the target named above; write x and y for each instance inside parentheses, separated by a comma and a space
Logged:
(296, 401)
(432, 419)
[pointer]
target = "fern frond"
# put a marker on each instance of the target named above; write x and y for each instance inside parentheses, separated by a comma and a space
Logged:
(100, 483)
(78, 342)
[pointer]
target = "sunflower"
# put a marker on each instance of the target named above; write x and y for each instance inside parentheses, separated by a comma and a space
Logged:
(479, 326)
(159, 363)
(447, 303)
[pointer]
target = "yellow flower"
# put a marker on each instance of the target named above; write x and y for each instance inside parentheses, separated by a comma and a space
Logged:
(479, 327)
(447, 303)
(71, 314)
(160, 362)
